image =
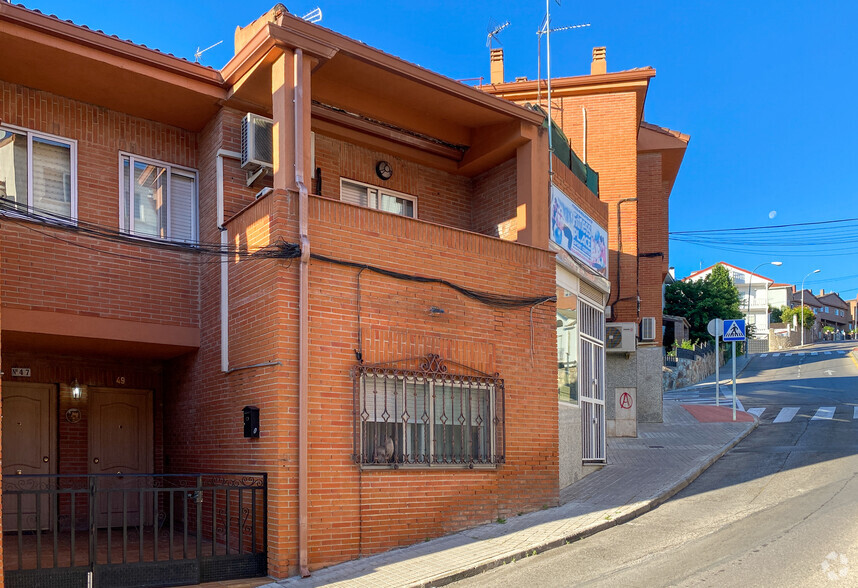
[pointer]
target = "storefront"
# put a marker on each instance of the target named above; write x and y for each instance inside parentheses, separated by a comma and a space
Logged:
(582, 291)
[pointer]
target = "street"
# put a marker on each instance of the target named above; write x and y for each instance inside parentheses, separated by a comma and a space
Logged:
(780, 509)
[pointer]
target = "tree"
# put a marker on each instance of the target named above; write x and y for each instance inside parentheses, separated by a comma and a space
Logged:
(700, 301)
(809, 318)
(777, 314)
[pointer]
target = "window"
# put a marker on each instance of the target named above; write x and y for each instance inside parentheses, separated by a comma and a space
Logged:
(378, 198)
(158, 199)
(567, 345)
(427, 417)
(38, 172)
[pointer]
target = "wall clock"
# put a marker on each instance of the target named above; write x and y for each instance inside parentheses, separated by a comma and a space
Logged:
(383, 169)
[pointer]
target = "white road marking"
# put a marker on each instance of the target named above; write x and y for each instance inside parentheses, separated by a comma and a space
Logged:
(776, 355)
(855, 413)
(757, 412)
(786, 414)
(764, 355)
(829, 372)
(823, 413)
(788, 354)
(827, 353)
(814, 354)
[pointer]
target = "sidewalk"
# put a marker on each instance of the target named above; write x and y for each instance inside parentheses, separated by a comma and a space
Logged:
(641, 474)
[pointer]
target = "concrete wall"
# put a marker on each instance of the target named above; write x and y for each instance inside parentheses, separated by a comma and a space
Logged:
(569, 440)
(620, 372)
(649, 374)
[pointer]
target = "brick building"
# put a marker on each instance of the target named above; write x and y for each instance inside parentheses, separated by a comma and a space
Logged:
(226, 355)
(637, 164)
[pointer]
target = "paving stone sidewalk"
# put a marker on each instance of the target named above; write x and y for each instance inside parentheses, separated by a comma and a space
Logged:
(641, 474)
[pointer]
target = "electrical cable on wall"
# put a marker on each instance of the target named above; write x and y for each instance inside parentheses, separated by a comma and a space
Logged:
(497, 300)
(11, 211)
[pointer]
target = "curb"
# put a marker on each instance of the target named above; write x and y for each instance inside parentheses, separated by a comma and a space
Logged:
(584, 533)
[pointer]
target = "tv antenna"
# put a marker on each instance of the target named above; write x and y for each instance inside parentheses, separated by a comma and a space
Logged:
(543, 30)
(493, 32)
(314, 16)
(199, 52)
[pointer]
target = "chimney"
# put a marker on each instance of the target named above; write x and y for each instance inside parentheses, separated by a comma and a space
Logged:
(821, 292)
(599, 65)
(496, 59)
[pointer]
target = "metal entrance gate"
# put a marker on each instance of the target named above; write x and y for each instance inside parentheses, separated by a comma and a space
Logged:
(134, 529)
(592, 382)
(758, 345)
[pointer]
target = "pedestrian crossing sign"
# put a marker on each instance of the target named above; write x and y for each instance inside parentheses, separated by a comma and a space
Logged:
(734, 330)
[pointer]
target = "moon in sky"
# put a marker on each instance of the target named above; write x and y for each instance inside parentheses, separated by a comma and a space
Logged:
(773, 214)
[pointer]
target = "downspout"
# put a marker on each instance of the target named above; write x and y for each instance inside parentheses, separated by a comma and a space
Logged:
(224, 259)
(584, 116)
(619, 248)
(303, 302)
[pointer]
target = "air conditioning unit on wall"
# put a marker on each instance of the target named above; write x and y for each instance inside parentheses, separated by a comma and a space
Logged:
(648, 328)
(257, 145)
(620, 337)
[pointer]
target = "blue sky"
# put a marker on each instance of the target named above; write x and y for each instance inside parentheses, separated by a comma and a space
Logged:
(765, 89)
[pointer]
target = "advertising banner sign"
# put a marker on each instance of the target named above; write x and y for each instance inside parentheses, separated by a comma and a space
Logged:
(577, 233)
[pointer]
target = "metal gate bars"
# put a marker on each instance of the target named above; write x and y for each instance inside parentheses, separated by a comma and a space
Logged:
(133, 530)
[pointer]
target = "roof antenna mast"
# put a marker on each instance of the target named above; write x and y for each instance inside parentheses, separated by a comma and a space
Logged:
(546, 30)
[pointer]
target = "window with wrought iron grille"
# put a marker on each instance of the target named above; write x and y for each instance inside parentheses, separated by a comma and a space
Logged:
(426, 416)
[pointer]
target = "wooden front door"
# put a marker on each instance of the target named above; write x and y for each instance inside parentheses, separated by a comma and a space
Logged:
(120, 442)
(29, 447)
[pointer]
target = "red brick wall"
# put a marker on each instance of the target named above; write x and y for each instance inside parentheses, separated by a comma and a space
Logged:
(356, 513)
(495, 201)
(612, 128)
(653, 217)
(442, 198)
(48, 269)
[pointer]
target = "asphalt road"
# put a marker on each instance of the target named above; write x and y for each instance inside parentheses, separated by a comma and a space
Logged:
(780, 509)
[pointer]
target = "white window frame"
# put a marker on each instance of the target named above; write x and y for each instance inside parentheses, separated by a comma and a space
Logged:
(379, 190)
(171, 168)
(72, 143)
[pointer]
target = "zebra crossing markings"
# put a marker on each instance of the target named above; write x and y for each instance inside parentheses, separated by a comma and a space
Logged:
(855, 413)
(786, 414)
(812, 353)
(757, 412)
(823, 413)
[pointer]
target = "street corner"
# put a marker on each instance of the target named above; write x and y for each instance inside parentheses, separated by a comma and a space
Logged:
(717, 414)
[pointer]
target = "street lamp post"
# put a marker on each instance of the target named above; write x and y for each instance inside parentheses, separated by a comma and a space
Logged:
(816, 271)
(750, 280)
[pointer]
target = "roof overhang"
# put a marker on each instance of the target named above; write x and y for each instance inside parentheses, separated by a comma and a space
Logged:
(366, 96)
(671, 144)
(56, 56)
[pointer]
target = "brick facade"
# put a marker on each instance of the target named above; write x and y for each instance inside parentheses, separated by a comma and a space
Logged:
(119, 313)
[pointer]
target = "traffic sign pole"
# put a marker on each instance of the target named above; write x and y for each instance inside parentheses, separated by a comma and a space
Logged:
(717, 363)
(734, 380)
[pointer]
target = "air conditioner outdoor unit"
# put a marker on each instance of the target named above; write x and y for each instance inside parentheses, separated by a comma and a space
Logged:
(257, 145)
(620, 337)
(648, 328)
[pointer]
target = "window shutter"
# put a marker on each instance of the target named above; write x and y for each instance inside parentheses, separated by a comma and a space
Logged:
(51, 177)
(182, 208)
(353, 193)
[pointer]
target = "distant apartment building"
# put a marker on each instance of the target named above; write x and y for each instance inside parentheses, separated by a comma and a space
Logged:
(755, 298)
